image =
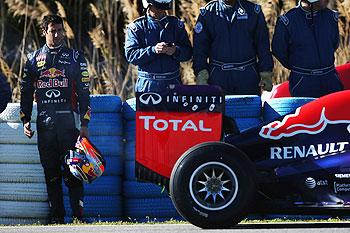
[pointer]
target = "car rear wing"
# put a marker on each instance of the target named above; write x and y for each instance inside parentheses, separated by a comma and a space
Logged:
(171, 122)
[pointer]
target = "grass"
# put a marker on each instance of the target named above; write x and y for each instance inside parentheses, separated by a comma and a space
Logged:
(245, 221)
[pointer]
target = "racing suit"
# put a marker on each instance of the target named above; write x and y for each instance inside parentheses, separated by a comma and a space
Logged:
(236, 41)
(305, 44)
(60, 80)
(5, 92)
(156, 71)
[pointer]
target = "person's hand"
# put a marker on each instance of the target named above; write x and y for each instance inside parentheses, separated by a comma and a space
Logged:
(27, 130)
(266, 81)
(202, 77)
(160, 48)
(84, 132)
(170, 50)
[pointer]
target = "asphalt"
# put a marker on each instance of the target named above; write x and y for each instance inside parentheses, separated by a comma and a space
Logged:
(185, 228)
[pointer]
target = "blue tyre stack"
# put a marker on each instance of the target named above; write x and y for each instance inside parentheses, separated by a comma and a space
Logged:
(142, 201)
(23, 196)
(274, 108)
(103, 200)
(245, 109)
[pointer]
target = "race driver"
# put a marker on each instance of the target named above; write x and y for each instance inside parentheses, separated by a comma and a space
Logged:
(59, 78)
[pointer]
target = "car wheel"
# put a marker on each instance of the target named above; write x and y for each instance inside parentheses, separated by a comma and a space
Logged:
(213, 185)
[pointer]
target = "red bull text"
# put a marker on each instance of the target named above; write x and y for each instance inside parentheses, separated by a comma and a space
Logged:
(52, 83)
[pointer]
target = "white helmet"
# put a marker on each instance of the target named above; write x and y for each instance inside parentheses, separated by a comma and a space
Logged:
(160, 4)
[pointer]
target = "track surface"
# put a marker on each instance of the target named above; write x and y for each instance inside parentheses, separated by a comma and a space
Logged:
(185, 228)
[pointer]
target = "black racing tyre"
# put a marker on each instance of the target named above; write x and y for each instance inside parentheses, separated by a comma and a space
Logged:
(213, 185)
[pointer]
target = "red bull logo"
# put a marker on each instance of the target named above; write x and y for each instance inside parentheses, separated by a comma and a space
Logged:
(311, 118)
(52, 83)
(52, 73)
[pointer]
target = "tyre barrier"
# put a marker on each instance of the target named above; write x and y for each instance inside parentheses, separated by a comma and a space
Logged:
(103, 186)
(21, 173)
(130, 131)
(105, 103)
(244, 109)
(137, 189)
(12, 133)
(23, 190)
(274, 108)
(98, 206)
(24, 209)
(21, 154)
(108, 145)
(23, 195)
(23, 221)
(32, 192)
(12, 113)
(129, 109)
(243, 106)
(114, 166)
(103, 200)
(106, 124)
(130, 148)
(150, 207)
(129, 171)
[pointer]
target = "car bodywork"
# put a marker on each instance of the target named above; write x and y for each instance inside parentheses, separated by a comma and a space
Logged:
(300, 161)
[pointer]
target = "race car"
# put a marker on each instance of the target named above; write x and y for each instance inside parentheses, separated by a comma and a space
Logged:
(298, 163)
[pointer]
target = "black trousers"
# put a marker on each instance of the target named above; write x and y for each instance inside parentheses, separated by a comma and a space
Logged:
(55, 137)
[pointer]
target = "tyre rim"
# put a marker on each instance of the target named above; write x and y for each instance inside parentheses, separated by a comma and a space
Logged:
(213, 186)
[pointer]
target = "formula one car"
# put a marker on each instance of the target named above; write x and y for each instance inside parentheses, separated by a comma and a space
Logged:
(296, 164)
